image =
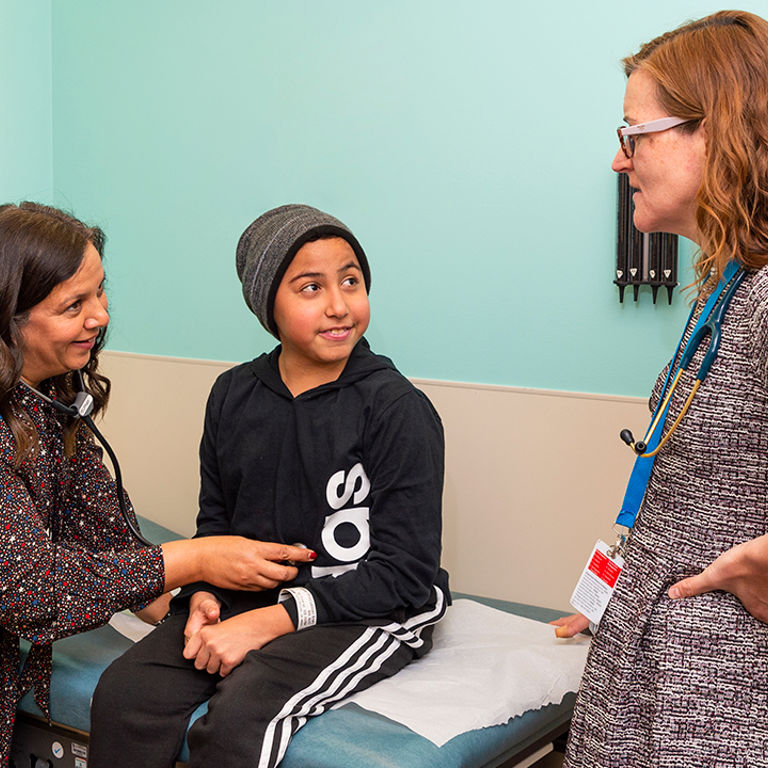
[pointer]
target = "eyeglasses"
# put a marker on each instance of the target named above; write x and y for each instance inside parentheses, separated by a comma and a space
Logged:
(627, 133)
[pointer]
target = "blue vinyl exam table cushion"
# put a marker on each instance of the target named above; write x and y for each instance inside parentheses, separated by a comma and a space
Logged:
(348, 737)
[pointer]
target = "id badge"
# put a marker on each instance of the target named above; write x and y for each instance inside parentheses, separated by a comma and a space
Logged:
(597, 582)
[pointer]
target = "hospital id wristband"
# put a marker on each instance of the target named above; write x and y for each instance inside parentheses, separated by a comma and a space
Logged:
(306, 609)
(597, 582)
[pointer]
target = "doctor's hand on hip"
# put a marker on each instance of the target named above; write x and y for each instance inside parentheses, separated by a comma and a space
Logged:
(742, 571)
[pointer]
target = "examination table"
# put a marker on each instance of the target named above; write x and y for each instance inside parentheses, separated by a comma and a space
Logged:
(347, 737)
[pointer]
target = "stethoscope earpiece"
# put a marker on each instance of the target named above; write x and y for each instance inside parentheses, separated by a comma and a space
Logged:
(628, 438)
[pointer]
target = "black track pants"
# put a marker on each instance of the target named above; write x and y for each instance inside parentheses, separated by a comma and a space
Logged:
(144, 699)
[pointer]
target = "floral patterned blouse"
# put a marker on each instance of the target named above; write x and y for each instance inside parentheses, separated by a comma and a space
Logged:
(67, 560)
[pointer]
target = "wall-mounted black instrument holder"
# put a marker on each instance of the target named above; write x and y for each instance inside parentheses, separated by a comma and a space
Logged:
(642, 259)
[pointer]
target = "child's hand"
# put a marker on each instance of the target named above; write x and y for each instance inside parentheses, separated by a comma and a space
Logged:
(219, 648)
(203, 610)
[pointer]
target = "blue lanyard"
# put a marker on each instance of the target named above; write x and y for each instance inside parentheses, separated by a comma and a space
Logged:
(641, 471)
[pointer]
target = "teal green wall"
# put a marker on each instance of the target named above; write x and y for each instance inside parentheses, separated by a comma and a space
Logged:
(26, 142)
(467, 144)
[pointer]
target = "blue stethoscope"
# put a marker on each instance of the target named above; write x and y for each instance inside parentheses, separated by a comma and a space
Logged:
(81, 408)
(709, 324)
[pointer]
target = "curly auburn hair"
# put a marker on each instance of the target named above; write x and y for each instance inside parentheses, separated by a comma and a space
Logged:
(40, 247)
(714, 71)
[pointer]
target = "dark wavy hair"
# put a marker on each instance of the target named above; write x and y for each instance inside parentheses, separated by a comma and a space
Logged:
(715, 70)
(40, 247)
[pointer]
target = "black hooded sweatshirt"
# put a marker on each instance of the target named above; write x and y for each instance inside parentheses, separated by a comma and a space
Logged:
(352, 469)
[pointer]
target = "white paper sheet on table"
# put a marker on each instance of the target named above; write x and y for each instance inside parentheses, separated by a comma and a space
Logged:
(485, 667)
(130, 626)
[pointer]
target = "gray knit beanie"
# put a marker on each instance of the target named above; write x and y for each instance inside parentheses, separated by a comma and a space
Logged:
(268, 246)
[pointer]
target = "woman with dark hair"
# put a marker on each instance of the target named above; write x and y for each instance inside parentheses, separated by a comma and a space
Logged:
(671, 681)
(67, 559)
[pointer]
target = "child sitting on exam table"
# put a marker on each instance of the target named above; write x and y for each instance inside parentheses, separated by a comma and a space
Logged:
(319, 442)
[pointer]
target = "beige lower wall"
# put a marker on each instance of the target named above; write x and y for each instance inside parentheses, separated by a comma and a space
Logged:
(532, 477)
